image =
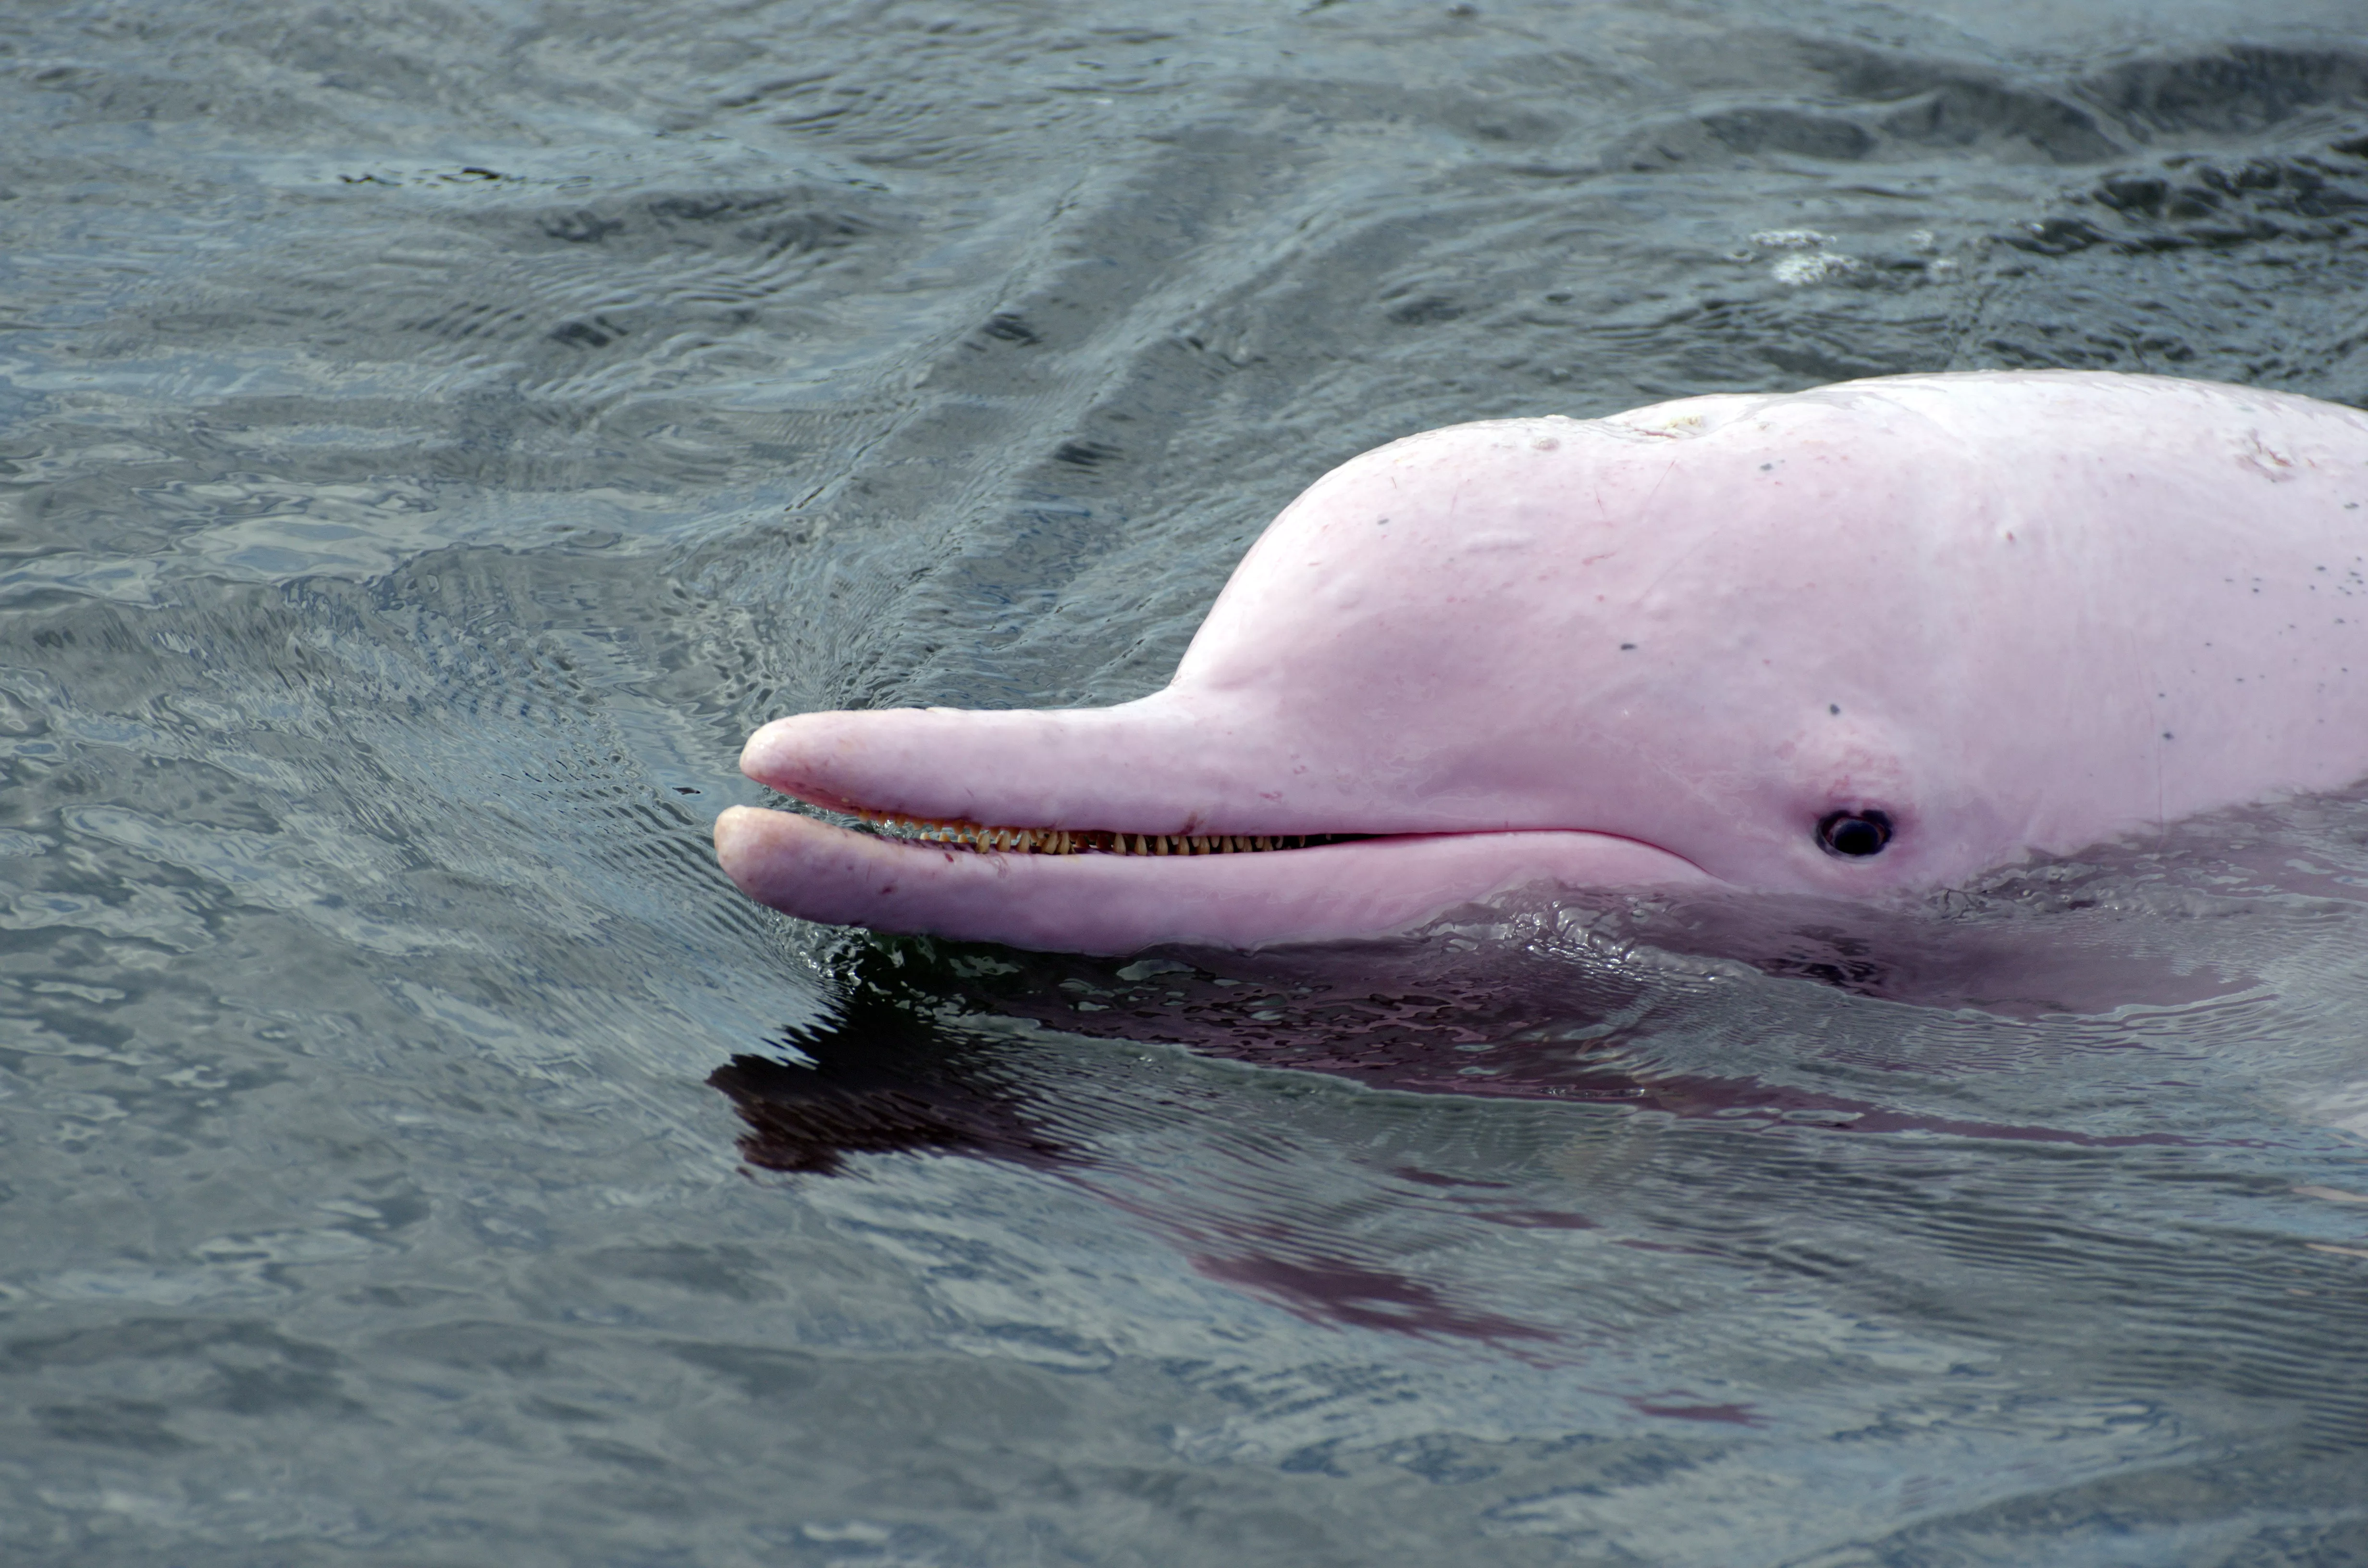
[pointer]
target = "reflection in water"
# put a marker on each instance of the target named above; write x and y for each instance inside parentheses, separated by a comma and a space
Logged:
(892, 1084)
(1536, 1004)
(1877, 1019)
(810, 1119)
(1342, 1290)
(883, 1080)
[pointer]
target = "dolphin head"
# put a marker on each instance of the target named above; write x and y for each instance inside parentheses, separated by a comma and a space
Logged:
(1872, 638)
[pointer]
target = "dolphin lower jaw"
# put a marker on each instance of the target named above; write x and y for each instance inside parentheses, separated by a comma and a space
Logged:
(1121, 902)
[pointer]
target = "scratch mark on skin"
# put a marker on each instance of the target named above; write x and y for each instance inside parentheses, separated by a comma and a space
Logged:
(1695, 549)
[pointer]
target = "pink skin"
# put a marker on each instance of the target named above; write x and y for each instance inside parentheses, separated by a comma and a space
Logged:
(2015, 612)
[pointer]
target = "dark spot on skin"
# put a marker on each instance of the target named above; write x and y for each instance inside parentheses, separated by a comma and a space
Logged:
(1379, 521)
(1765, 467)
(1835, 708)
(2166, 735)
(1853, 834)
(1627, 647)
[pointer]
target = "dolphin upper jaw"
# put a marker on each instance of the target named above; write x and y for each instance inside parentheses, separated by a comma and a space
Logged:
(1168, 764)
(1144, 767)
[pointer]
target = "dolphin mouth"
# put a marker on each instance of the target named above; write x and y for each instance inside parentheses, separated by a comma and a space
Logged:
(1016, 886)
(1021, 827)
(982, 839)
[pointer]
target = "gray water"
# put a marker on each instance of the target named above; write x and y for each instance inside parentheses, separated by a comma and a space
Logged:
(435, 434)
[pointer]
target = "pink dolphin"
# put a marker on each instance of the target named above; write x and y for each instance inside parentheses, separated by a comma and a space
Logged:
(1868, 639)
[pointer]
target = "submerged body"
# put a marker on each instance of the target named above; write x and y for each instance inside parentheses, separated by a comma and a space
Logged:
(1870, 638)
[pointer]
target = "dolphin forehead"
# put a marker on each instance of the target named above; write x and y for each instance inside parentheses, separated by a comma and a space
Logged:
(1476, 609)
(1479, 545)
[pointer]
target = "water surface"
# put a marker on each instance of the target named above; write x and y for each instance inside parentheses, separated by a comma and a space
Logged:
(435, 434)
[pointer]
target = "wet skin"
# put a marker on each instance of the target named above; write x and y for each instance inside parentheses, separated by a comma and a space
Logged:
(1864, 641)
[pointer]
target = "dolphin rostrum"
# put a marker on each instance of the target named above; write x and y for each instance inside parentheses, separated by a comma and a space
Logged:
(1867, 639)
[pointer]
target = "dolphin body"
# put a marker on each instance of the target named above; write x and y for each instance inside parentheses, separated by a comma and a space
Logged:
(1862, 641)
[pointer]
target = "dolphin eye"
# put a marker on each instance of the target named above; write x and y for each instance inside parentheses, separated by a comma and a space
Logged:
(1854, 834)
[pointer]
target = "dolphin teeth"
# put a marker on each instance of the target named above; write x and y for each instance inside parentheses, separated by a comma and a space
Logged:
(986, 839)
